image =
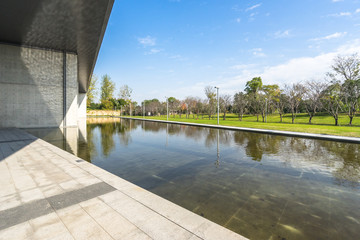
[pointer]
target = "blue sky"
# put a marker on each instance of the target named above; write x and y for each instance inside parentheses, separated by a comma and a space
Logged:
(177, 47)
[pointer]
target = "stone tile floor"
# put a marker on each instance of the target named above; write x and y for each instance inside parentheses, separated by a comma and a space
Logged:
(47, 193)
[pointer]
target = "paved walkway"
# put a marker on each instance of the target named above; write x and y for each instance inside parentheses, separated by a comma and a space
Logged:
(47, 193)
(258, 130)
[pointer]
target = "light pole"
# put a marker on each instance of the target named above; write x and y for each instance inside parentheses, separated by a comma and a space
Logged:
(167, 108)
(217, 94)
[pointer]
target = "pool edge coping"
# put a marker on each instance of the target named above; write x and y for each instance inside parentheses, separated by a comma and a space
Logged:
(258, 130)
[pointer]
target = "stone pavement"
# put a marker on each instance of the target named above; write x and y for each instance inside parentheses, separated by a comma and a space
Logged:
(47, 193)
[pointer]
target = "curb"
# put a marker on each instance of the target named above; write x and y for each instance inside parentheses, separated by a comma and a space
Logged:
(258, 130)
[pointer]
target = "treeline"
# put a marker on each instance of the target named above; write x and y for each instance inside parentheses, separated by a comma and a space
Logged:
(339, 93)
(108, 101)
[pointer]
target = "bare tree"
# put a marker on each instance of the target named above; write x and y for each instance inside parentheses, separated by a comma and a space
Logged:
(313, 96)
(241, 103)
(262, 105)
(332, 101)
(281, 102)
(191, 106)
(211, 101)
(346, 70)
(295, 93)
(125, 93)
(225, 103)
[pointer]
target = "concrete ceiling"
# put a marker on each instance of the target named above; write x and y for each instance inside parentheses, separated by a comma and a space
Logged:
(76, 26)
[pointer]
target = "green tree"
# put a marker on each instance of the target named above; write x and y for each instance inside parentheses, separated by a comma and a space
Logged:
(92, 91)
(252, 89)
(173, 105)
(253, 86)
(107, 88)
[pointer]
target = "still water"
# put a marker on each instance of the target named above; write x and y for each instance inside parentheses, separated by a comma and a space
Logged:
(260, 186)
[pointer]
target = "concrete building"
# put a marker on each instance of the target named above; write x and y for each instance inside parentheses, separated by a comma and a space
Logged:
(48, 49)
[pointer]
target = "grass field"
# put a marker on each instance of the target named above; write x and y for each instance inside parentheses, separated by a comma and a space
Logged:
(321, 124)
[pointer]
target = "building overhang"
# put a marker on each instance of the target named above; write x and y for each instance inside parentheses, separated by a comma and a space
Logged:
(76, 26)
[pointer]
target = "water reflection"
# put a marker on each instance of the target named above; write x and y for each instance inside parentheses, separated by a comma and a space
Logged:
(261, 186)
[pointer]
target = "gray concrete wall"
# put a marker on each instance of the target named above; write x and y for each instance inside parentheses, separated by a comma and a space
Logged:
(82, 105)
(31, 87)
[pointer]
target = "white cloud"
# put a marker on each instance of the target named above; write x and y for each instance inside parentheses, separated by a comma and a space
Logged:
(341, 14)
(357, 10)
(292, 71)
(253, 7)
(282, 34)
(258, 52)
(238, 20)
(147, 41)
(153, 51)
(242, 66)
(337, 0)
(295, 70)
(178, 57)
(331, 36)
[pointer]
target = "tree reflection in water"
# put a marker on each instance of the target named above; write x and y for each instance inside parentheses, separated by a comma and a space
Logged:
(340, 159)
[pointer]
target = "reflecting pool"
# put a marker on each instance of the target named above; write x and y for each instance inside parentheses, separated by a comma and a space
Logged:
(260, 186)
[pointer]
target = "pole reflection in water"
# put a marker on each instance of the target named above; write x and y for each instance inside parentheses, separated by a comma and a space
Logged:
(167, 134)
(268, 186)
(217, 163)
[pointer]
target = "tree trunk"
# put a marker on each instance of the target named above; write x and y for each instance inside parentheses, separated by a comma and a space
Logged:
(336, 121)
(224, 117)
(351, 119)
(310, 117)
(241, 117)
(292, 118)
(281, 117)
(257, 116)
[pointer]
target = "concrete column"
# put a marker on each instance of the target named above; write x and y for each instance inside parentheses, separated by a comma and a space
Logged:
(71, 90)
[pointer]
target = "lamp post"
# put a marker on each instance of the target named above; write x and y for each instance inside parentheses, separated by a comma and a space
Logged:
(218, 149)
(167, 108)
(217, 94)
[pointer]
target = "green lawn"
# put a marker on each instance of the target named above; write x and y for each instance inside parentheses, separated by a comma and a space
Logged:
(321, 124)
